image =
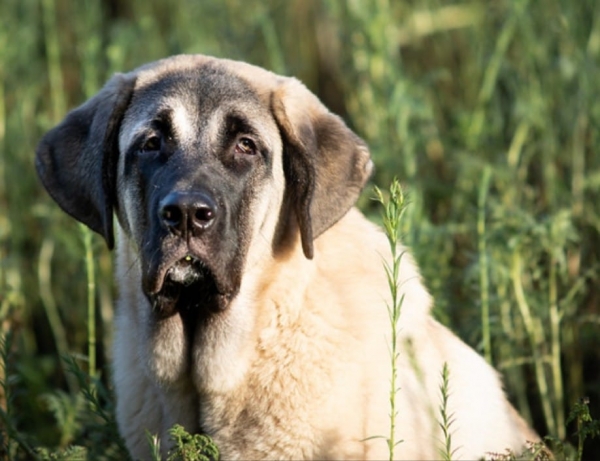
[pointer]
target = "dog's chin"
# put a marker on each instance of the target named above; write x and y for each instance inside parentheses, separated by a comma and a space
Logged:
(188, 287)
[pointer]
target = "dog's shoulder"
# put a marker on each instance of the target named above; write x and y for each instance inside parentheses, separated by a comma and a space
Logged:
(353, 256)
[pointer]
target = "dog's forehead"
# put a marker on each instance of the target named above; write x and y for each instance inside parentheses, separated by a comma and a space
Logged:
(259, 76)
(212, 79)
(201, 89)
(193, 90)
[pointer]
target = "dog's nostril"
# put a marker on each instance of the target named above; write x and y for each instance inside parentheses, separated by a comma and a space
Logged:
(204, 214)
(171, 215)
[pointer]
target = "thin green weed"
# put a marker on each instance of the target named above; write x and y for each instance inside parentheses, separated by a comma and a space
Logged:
(446, 419)
(394, 206)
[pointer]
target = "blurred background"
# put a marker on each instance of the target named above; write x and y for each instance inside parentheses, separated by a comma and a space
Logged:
(487, 111)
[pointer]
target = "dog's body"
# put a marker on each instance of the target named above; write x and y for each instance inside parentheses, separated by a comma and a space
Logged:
(234, 319)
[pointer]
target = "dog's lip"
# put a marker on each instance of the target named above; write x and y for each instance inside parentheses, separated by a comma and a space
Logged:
(187, 271)
(173, 269)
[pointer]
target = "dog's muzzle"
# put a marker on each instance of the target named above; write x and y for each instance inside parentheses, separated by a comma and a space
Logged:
(185, 270)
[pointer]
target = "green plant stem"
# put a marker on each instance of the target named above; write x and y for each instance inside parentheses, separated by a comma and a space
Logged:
(580, 436)
(446, 419)
(492, 71)
(90, 86)
(2, 146)
(91, 298)
(49, 304)
(90, 39)
(555, 319)
(536, 339)
(5, 223)
(578, 165)
(273, 44)
(514, 373)
(52, 44)
(483, 265)
(516, 146)
(394, 209)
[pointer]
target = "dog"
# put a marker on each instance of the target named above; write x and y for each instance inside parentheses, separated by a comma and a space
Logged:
(252, 293)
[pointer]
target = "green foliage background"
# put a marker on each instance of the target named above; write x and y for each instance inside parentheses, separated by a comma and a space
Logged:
(487, 111)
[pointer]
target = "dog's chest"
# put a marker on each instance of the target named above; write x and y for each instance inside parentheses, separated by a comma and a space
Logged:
(275, 412)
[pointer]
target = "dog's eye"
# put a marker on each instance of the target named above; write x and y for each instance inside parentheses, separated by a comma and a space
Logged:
(245, 146)
(151, 145)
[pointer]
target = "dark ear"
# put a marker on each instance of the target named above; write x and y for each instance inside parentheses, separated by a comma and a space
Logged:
(326, 165)
(77, 160)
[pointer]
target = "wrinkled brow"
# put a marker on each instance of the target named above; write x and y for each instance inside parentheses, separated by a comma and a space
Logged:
(238, 123)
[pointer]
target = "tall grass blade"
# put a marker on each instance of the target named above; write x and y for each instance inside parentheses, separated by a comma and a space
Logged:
(483, 264)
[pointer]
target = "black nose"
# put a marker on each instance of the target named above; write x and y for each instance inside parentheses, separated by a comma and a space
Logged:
(187, 214)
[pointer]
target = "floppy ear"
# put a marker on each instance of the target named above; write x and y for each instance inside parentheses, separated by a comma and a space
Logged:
(77, 160)
(326, 165)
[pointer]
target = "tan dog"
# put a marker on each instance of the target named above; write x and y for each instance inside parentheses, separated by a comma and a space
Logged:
(252, 295)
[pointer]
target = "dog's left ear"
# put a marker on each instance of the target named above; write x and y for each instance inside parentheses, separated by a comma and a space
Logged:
(326, 164)
(77, 160)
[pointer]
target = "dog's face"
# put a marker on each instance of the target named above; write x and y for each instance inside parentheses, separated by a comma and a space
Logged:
(203, 161)
(198, 151)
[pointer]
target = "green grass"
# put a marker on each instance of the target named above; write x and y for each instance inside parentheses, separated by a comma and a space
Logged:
(394, 208)
(488, 112)
(446, 419)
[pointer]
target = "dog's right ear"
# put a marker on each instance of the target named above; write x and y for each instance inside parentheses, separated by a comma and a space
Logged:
(77, 160)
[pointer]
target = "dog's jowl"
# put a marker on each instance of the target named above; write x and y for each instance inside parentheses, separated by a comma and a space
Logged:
(252, 294)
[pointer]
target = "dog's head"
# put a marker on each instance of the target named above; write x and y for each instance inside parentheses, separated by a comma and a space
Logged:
(200, 158)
